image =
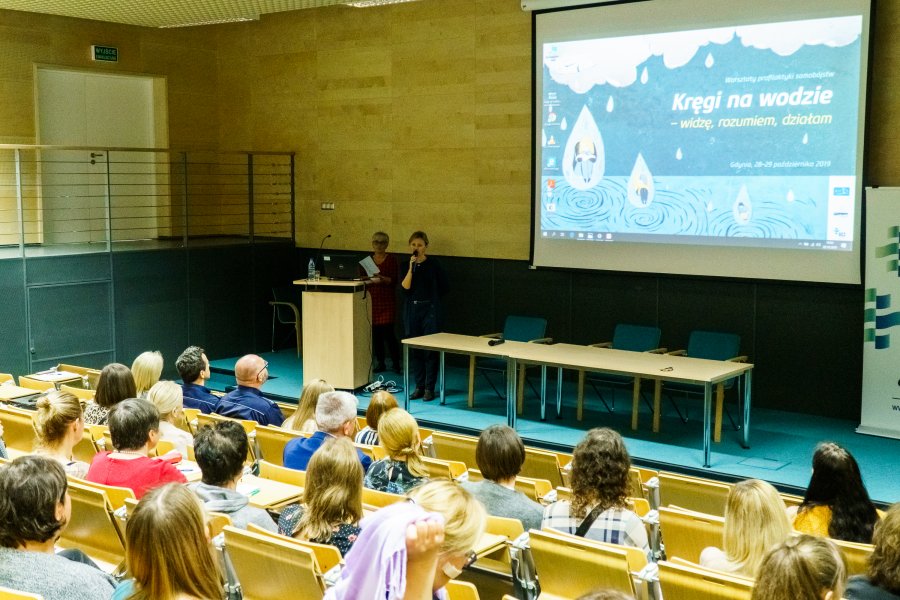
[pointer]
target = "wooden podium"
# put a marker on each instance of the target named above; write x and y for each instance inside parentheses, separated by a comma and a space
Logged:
(337, 332)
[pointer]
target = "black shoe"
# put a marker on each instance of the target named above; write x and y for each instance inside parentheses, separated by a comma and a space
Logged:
(380, 368)
(419, 393)
(429, 396)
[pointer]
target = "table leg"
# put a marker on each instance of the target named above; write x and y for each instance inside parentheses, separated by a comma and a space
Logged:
(720, 399)
(441, 377)
(559, 382)
(707, 423)
(471, 381)
(580, 401)
(635, 403)
(406, 376)
(657, 404)
(746, 428)
(512, 369)
(543, 392)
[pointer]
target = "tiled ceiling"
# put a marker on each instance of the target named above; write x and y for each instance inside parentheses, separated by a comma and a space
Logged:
(172, 13)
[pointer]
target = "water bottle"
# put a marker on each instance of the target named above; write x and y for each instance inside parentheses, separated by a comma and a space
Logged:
(311, 270)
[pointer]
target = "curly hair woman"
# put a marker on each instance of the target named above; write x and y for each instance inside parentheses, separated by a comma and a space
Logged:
(882, 581)
(836, 503)
(599, 490)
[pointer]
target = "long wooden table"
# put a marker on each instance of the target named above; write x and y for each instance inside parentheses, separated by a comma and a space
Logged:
(640, 365)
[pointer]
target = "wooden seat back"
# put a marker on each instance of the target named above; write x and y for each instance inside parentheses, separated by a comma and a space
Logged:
(693, 493)
(277, 472)
(682, 582)
(93, 528)
(686, 533)
(272, 569)
(327, 556)
(272, 440)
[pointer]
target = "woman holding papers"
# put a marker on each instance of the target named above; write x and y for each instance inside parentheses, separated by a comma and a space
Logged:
(384, 303)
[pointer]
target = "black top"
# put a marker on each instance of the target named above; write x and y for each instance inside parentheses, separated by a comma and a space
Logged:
(860, 588)
(429, 281)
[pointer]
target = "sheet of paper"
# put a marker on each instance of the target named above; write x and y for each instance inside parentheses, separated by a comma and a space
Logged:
(369, 266)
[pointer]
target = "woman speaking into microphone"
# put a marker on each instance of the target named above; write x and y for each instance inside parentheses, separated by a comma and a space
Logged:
(423, 285)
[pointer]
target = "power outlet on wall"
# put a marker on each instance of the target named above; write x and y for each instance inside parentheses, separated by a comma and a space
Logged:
(328, 206)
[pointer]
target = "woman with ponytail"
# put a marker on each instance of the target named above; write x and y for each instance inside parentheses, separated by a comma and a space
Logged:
(59, 426)
(403, 468)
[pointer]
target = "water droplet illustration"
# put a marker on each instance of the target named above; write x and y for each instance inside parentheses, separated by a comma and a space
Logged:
(790, 196)
(640, 185)
(543, 137)
(584, 158)
(742, 209)
(563, 124)
(805, 138)
(710, 206)
(710, 61)
(644, 76)
(678, 154)
(609, 105)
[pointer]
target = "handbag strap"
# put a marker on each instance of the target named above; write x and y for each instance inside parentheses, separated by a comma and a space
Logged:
(588, 521)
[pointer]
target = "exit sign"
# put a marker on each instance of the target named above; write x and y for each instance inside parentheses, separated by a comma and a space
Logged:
(105, 53)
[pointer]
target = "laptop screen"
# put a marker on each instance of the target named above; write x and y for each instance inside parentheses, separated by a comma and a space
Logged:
(341, 266)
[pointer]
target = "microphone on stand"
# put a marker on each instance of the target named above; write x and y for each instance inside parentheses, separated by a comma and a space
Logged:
(319, 253)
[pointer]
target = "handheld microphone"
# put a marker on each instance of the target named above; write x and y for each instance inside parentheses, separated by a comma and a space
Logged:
(496, 342)
(415, 253)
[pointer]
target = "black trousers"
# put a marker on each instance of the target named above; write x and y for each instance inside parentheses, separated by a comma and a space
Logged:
(422, 319)
(383, 336)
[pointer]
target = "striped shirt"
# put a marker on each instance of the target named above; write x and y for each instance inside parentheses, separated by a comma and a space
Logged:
(367, 436)
(613, 525)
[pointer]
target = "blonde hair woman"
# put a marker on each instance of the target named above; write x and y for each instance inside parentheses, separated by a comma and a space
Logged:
(802, 568)
(59, 426)
(380, 403)
(332, 498)
(755, 522)
(402, 469)
(168, 526)
(146, 369)
(304, 418)
(167, 397)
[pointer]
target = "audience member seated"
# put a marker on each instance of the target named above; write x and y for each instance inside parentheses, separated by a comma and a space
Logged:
(220, 451)
(59, 426)
(134, 427)
(836, 503)
(114, 385)
(247, 401)
(401, 549)
(336, 417)
(167, 549)
(193, 368)
(380, 403)
(166, 397)
(332, 498)
(304, 418)
(146, 368)
(755, 522)
(605, 595)
(34, 509)
(402, 469)
(804, 567)
(500, 455)
(600, 467)
(882, 582)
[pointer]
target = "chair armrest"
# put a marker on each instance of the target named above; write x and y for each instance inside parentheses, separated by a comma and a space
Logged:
(677, 353)
(658, 351)
(601, 345)
(497, 335)
(740, 359)
(545, 340)
(290, 305)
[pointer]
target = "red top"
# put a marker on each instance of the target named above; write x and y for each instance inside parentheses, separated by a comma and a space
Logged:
(384, 295)
(141, 474)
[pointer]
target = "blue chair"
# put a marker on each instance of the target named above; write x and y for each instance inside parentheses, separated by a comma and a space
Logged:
(711, 345)
(515, 329)
(633, 338)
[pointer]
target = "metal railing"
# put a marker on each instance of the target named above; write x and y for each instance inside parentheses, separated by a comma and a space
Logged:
(62, 199)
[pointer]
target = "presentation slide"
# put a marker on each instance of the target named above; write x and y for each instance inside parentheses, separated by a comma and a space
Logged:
(735, 142)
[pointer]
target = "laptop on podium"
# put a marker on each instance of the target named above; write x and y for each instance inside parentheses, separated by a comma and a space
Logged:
(342, 266)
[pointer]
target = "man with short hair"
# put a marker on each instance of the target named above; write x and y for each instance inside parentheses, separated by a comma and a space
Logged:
(134, 428)
(221, 450)
(247, 401)
(336, 417)
(193, 367)
(34, 510)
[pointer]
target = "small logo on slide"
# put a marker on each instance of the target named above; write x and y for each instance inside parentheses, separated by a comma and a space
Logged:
(841, 191)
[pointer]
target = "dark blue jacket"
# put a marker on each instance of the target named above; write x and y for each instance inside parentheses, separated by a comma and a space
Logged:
(298, 451)
(249, 403)
(198, 396)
